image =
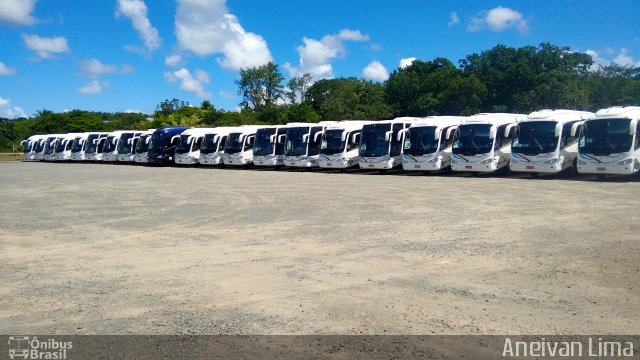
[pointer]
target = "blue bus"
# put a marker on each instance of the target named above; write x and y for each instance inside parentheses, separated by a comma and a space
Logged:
(162, 148)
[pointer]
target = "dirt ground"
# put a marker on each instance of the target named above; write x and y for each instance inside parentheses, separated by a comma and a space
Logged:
(116, 249)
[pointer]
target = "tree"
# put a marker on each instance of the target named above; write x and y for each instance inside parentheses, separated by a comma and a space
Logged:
(206, 105)
(167, 107)
(260, 86)
(298, 87)
(348, 98)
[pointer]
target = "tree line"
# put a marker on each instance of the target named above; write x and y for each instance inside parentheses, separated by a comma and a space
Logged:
(501, 79)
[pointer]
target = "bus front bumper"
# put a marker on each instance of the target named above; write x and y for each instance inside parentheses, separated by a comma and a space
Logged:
(622, 167)
(301, 163)
(384, 163)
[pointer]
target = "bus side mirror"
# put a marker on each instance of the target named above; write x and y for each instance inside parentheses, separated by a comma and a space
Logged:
(175, 138)
(216, 138)
(492, 132)
(146, 141)
(355, 138)
(575, 128)
(388, 135)
(272, 138)
(315, 136)
(281, 138)
(451, 132)
(305, 138)
(23, 142)
(558, 130)
(632, 127)
(507, 131)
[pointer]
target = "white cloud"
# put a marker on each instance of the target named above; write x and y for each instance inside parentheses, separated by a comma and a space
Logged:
(46, 47)
(375, 71)
(406, 62)
(226, 95)
(92, 88)
(498, 19)
(6, 70)
(132, 111)
(10, 112)
(454, 19)
(93, 68)
(598, 62)
(190, 83)
(206, 27)
(172, 60)
(136, 10)
(316, 55)
(17, 12)
(623, 59)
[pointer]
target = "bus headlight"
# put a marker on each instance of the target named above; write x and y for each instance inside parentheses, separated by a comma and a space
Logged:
(625, 162)
(582, 162)
(487, 161)
(432, 161)
(551, 161)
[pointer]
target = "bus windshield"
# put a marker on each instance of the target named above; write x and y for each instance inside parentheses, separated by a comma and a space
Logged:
(184, 146)
(90, 147)
(109, 146)
(373, 142)
(294, 145)
(263, 145)
(473, 140)
(605, 137)
(61, 144)
(535, 137)
(421, 140)
(208, 145)
(233, 144)
(142, 145)
(332, 142)
(27, 146)
(77, 145)
(123, 144)
(39, 146)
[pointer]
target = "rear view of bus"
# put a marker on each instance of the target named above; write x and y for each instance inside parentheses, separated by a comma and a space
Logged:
(610, 143)
(212, 147)
(268, 148)
(381, 143)
(238, 149)
(339, 147)
(547, 141)
(483, 142)
(428, 143)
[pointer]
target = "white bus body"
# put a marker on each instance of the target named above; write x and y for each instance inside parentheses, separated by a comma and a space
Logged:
(94, 146)
(142, 146)
(302, 143)
(268, 148)
(64, 145)
(78, 147)
(428, 142)
(238, 149)
(126, 146)
(483, 142)
(547, 141)
(30, 145)
(112, 145)
(49, 151)
(339, 145)
(610, 142)
(381, 143)
(188, 148)
(212, 147)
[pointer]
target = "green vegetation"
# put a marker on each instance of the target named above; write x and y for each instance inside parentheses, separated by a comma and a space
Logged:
(503, 79)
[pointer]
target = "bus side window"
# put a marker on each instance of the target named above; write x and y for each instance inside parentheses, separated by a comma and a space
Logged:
(197, 144)
(350, 143)
(567, 139)
(221, 142)
(396, 144)
(250, 140)
(500, 139)
(637, 136)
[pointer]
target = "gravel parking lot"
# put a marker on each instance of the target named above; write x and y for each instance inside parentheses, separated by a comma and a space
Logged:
(115, 249)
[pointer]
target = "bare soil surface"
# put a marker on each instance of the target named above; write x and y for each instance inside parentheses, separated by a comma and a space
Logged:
(118, 249)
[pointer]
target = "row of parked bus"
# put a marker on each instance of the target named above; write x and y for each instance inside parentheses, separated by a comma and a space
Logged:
(545, 141)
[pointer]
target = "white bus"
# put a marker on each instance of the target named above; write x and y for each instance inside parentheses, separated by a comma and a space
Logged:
(77, 147)
(483, 142)
(302, 143)
(49, 151)
(268, 148)
(142, 146)
(212, 147)
(117, 143)
(339, 146)
(381, 143)
(188, 148)
(547, 141)
(126, 146)
(428, 143)
(64, 144)
(94, 146)
(238, 149)
(610, 142)
(30, 146)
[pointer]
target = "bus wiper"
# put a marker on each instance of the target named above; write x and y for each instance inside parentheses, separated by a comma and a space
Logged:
(538, 144)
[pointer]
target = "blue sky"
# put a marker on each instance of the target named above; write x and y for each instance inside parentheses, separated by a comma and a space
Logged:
(129, 55)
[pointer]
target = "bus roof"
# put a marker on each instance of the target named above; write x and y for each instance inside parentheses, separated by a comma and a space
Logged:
(558, 115)
(631, 112)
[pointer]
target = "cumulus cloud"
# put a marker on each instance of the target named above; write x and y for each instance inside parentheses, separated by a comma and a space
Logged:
(10, 112)
(172, 60)
(598, 62)
(93, 68)
(92, 88)
(406, 62)
(17, 12)
(454, 19)
(498, 19)
(206, 27)
(6, 70)
(623, 59)
(316, 55)
(189, 82)
(46, 47)
(375, 71)
(136, 10)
